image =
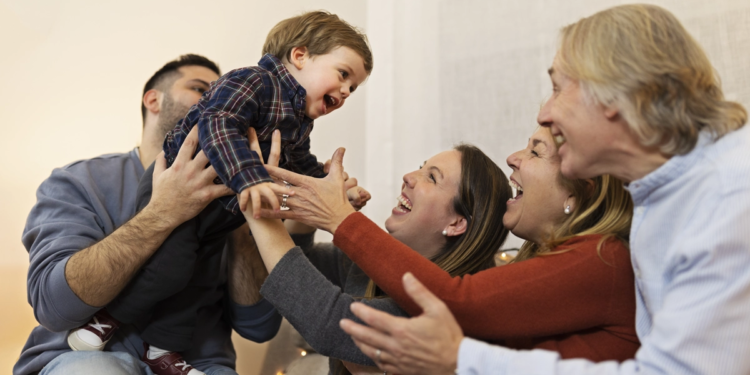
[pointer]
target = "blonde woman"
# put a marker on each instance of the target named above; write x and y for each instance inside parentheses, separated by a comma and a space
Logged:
(635, 96)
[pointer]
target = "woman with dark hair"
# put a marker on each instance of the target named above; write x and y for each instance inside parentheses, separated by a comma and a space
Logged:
(449, 213)
(572, 289)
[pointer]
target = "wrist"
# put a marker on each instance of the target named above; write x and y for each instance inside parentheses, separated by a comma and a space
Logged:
(159, 218)
(339, 218)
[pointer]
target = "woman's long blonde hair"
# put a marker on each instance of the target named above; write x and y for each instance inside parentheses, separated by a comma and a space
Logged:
(603, 207)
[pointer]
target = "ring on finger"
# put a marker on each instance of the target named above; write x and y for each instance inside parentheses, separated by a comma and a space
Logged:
(286, 184)
(284, 197)
(378, 352)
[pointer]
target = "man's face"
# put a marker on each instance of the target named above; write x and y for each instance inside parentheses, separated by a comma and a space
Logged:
(329, 79)
(579, 125)
(184, 93)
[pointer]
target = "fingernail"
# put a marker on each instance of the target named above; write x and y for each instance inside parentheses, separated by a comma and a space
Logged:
(408, 277)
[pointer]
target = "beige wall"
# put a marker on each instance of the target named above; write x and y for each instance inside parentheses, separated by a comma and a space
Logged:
(72, 74)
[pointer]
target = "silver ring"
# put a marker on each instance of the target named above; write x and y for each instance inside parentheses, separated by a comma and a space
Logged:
(283, 201)
(286, 184)
(377, 355)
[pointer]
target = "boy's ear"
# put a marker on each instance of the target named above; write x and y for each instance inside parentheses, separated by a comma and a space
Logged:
(152, 101)
(298, 57)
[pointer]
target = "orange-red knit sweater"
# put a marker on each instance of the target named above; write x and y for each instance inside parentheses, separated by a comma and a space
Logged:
(573, 302)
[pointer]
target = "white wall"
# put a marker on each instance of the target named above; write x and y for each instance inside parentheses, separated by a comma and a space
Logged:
(476, 71)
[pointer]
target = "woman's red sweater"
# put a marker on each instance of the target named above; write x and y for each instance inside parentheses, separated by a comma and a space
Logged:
(579, 303)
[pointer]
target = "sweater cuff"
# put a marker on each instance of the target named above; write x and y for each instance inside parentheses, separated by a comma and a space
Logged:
(476, 357)
(258, 322)
(248, 177)
(71, 308)
(355, 230)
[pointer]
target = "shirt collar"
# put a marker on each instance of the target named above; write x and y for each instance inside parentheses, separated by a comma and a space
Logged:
(275, 66)
(671, 170)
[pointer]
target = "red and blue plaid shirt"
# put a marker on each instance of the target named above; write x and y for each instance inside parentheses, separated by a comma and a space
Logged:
(265, 97)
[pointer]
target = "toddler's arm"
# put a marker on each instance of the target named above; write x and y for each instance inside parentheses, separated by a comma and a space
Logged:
(231, 107)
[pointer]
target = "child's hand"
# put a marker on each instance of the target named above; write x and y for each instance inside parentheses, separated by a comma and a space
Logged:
(264, 191)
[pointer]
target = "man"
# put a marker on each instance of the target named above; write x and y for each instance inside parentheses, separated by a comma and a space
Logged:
(86, 242)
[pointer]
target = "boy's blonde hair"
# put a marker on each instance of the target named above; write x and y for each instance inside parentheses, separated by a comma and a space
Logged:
(319, 31)
(640, 59)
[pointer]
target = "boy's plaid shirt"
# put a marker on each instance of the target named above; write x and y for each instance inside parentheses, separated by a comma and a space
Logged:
(265, 97)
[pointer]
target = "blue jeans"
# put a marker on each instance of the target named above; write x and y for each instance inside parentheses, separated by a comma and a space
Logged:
(110, 363)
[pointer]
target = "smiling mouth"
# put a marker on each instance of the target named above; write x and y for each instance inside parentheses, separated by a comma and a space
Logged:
(404, 204)
(330, 101)
(517, 190)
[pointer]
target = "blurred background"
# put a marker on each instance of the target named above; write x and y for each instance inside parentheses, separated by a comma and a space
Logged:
(445, 72)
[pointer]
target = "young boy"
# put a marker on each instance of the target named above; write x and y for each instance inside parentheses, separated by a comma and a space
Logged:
(311, 64)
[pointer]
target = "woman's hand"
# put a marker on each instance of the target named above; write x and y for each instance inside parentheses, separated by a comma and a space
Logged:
(322, 203)
(425, 344)
(357, 195)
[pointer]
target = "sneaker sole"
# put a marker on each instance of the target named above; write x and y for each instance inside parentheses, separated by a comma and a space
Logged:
(77, 344)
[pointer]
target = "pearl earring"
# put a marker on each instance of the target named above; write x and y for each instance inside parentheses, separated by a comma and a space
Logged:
(445, 232)
(567, 210)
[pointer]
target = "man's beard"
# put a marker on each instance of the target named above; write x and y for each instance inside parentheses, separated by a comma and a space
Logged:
(171, 113)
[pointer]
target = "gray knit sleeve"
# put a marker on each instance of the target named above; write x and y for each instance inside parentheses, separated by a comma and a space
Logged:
(328, 259)
(314, 306)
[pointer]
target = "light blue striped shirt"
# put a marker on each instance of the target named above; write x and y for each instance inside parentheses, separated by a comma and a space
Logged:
(690, 246)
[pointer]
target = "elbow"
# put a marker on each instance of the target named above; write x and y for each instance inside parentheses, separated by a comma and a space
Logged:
(261, 333)
(53, 323)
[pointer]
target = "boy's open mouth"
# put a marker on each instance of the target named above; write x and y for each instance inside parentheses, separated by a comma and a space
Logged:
(330, 101)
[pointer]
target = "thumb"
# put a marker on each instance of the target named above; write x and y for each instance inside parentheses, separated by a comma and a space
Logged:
(337, 162)
(430, 304)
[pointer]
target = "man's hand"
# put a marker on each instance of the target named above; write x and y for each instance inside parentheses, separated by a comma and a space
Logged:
(425, 344)
(98, 273)
(183, 190)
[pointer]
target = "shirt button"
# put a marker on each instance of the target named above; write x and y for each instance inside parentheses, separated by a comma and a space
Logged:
(639, 211)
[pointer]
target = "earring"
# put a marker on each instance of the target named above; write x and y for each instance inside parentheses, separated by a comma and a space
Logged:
(445, 232)
(567, 210)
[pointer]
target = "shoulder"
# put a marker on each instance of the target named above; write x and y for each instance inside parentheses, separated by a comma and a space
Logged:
(251, 75)
(727, 159)
(250, 82)
(598, 250)
(104, 176)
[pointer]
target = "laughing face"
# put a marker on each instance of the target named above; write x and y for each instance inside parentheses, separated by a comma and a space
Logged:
(328, 79)
(539, 200)
(425, 206)
(583, 129)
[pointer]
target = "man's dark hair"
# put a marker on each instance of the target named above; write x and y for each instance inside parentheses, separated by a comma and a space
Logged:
(168, 73)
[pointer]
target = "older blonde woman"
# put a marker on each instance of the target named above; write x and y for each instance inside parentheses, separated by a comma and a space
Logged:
(636, 97)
